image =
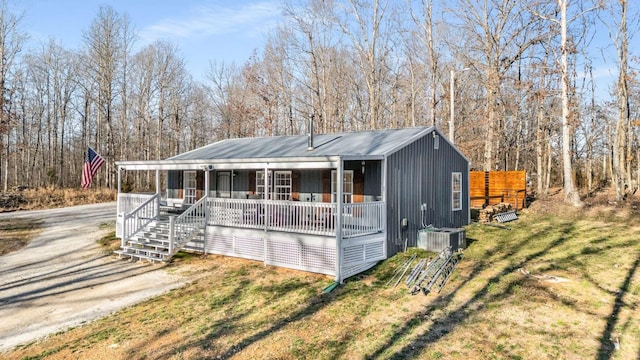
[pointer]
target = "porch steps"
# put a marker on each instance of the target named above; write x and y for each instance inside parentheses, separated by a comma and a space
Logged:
(152, 243)
(196, 243)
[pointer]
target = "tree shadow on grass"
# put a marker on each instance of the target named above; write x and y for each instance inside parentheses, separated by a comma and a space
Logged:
(442, 327)
(607, 347)
(313, 305)
(240, 322)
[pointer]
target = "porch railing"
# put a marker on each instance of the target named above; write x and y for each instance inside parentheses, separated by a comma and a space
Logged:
(138, 218)
(362, 218)
(184, 226)
(236, 212)
(126, 203)
(299, 217)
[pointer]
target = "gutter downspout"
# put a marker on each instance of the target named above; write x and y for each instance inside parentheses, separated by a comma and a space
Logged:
(386, 206)
(468, 193)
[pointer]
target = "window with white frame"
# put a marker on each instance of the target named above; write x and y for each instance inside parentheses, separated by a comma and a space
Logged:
(347, 186)
(456, 191)
(279, 184)
(282, 185)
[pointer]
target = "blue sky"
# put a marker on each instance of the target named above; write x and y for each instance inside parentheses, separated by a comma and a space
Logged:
(204, 30)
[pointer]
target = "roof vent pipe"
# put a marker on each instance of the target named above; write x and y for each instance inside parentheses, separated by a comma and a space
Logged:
(310, 136)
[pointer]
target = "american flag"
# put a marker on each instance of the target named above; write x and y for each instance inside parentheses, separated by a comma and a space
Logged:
(92, 163)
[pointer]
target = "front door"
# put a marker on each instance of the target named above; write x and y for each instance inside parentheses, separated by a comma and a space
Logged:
(190, 184)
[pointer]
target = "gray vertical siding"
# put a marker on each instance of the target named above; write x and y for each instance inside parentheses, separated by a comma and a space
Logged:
(373, 180)
(240, 184)
(372, 177)
(419, 174)
(174, 183)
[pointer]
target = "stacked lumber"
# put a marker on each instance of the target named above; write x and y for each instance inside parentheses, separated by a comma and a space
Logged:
(488, 214)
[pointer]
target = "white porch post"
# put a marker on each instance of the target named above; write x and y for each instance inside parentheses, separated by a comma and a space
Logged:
(157, 181)
(158, 194)
(119, 189)
(207, 175)
(266, 198)
(206, 182)
(206, 195)
(339, 201)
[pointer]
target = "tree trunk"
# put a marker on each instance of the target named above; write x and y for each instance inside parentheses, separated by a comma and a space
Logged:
(571, 194)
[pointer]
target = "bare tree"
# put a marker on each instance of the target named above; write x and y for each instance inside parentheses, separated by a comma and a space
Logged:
(366, 25)
(128, 40)
(496, 34)
(169, 67)
(571, 194)
(622, 143)
(104, 44)
(567, 46)
(424, 19)
(11, 41)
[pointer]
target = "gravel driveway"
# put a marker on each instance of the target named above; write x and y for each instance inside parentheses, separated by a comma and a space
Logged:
(63, 279)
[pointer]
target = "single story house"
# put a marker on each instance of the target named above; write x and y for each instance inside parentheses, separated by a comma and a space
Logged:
(334, 203)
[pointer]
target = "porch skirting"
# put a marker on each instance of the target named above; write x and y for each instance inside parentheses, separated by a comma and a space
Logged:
(362, 253)
(296, 251)
(313, 253)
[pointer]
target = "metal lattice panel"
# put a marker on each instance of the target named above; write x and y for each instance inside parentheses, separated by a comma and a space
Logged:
(506, 216)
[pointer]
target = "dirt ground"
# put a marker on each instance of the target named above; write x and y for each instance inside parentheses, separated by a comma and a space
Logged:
(63, 278)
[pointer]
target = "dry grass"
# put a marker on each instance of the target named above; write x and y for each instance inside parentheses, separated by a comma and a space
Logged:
(16, 233)
(502, 302)
(47, 198)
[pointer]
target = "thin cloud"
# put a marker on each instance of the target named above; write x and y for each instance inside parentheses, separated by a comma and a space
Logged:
(215, 20)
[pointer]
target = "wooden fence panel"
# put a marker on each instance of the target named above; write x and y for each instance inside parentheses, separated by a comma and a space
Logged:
(493, 187)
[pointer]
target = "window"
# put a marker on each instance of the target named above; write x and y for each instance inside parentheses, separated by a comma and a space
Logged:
(456, 191)
(282, 185)
(279, 185)
(347, 186)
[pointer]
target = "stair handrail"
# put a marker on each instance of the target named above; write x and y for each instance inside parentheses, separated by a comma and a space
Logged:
(182, 227)
(136, 219)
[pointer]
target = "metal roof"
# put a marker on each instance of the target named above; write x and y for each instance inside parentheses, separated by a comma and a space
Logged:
(289, 152)
(363, 144)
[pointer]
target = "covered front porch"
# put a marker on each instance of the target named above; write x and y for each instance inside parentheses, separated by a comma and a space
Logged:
(292, 212)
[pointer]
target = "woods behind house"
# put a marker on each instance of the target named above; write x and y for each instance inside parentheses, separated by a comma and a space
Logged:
(524, 92)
